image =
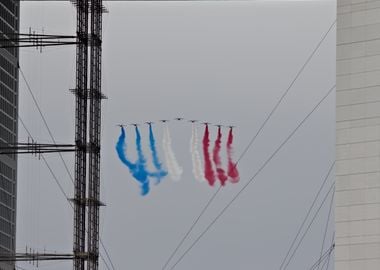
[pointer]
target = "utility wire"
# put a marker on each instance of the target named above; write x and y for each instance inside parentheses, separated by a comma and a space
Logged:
(326, 229)
(63, 161)
(191, 228)
(269, 116)
(326, 262)
(323, 257)
(64, 193)
(46, 163)
(286, 91)
(253, 178)
(332, 188)
(307, 214)
(44, 120)
(332, 242)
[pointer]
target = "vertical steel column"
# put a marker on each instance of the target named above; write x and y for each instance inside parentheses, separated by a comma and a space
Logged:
(94, 134)
(80, 135)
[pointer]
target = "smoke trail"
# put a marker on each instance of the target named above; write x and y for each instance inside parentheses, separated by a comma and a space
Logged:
(217, 160)
(195, 156)
(233, 172)
(141, 173)
(121, 149)
(160, 173)
(209, 172)
(137, 169)
(175, 171)
(166, 154)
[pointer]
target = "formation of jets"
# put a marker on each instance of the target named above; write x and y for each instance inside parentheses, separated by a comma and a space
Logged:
(176, 119)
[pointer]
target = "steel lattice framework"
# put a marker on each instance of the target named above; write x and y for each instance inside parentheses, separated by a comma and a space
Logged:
(81, 135)
(94, 138)
(87, 119)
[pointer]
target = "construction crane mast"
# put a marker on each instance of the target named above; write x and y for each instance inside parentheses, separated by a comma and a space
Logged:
(80, 169)
(94, 138)
(87, 120)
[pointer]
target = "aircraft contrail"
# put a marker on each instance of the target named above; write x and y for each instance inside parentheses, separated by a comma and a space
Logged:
(217, 160)
(137, 169)
(195, 156)
(160, 173)
(233, 172)
(174, 169)
(209, 171)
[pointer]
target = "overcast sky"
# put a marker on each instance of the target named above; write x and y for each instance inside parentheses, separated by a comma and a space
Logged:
(223, 62)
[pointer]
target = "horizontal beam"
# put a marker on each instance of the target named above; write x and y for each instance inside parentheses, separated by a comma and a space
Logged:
(39, 46)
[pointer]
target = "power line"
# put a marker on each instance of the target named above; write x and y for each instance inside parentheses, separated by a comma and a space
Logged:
(269, 116)
(328, 261)
(332, 188)
(46, 163)
(61, 157)
(253, 177)
(191, 228)
(286, 91)
(66, 196)
(44, 120)
(307, 214)
(326, 228)
(323, 257)
(107, 254)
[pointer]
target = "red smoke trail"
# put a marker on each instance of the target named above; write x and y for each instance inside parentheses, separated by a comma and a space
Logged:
(209, 172)
(216, 156)
(233, 172)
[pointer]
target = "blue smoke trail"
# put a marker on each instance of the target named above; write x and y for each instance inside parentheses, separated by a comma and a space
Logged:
(121, 149)
(137, 169)
(141, 173)
(156, 162)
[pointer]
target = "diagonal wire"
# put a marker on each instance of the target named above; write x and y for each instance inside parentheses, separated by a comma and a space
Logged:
(63, 192)
(332, 188)
(286, 91)
(307, 215)
(44, 121)
(60, 155)
(191, 228)
(46, 163)
(326, 261)
(328, 252)
(325, 257)
(253, 177)
(333, 243)
(269, 116)
(326, 229)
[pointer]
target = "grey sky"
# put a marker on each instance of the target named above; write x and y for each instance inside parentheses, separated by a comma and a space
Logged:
(226, 63)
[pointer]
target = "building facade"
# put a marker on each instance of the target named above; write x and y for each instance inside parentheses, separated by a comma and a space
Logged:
(9, 23)
(357, 211)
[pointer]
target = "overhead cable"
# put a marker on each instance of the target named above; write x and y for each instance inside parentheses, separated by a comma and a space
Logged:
(253, 177)
(269, 116)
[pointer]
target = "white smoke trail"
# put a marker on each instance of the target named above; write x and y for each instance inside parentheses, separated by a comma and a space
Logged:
(195, 156)
(169, 164)
(175, 171)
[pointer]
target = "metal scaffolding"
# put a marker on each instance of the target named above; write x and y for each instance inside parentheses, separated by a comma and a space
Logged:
(94, 136)
(87, 120)
(79, 247)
